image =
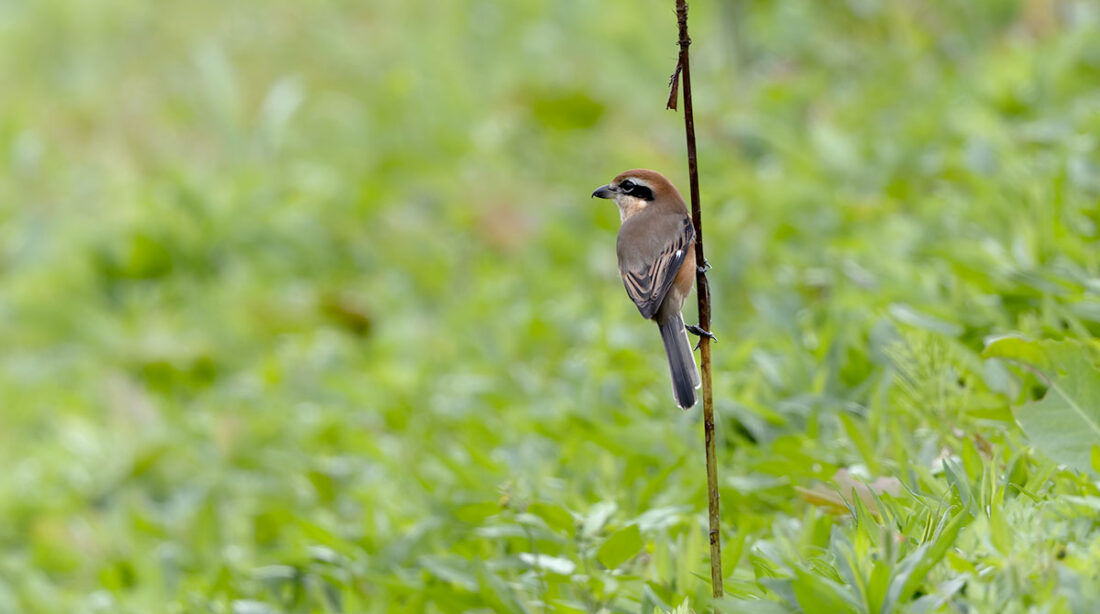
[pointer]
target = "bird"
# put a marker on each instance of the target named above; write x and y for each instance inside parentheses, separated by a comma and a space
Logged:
(656, 250)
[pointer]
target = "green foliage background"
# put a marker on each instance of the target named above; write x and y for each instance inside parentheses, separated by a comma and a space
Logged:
(305, 307)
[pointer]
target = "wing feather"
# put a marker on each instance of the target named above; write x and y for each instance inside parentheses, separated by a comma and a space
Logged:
(648, 283)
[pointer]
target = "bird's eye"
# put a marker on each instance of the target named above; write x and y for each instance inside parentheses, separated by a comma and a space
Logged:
(626, 186)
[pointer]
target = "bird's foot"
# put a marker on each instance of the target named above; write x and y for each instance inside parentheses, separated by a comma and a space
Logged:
(699, 332)
(704, 267)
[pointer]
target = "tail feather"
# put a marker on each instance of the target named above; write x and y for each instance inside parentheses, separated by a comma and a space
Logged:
(681, 361)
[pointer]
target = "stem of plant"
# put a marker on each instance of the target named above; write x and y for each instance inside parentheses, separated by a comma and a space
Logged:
(702, 290)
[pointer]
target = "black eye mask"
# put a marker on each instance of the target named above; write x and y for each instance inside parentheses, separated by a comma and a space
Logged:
(636, 190)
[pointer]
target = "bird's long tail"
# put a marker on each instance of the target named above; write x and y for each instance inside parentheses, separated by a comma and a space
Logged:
(681, 361)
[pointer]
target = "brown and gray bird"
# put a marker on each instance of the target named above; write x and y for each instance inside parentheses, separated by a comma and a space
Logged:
(656, 250)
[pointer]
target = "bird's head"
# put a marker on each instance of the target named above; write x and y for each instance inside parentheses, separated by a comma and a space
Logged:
(634, 190)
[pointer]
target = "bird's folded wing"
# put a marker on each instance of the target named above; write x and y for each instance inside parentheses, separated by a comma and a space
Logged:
(647, 284)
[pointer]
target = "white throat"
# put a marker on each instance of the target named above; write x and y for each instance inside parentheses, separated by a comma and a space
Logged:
(629, 206)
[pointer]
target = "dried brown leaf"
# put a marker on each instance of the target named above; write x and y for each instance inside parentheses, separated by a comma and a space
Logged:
(836, 497)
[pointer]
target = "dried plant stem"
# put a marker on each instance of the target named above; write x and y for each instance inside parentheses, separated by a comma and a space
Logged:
(702, 289)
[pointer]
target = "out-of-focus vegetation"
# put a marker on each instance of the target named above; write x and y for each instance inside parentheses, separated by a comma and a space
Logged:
(305, 307)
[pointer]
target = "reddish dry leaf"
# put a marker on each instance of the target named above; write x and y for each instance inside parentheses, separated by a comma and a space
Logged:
(835, 497)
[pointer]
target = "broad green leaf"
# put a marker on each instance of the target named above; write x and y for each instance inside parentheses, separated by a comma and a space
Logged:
(820, 595)
(858, 434)
(1065, 423)
(1019, 350)
(497, 593)
(956, 477)
(620, 547)
(1000, 532)
(663, 517)
(878, 584)
(474, 513)
(732, 549)
(932, 602)
(651, 601)
(555, 516)
(451, 569)
(782, 587)
(971, 458)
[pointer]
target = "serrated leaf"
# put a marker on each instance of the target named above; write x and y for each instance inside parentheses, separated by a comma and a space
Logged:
(620, 547)
(911, 571)
(1065, 423)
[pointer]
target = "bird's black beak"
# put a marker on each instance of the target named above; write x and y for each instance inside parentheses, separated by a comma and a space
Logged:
(605, 191)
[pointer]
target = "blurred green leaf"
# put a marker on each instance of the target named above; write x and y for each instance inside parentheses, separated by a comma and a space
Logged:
(450, 570)
(819, 595)
(552, 564)
(598, 516)
(555, 516)
(290, 316)
(620, 547)
(571, 109)
(910, 573)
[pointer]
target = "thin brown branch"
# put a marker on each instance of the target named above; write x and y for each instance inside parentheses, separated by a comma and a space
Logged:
(683, 69)
(674, 88)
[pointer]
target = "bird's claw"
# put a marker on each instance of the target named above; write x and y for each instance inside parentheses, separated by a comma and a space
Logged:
(703, 268)
(699, 332)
